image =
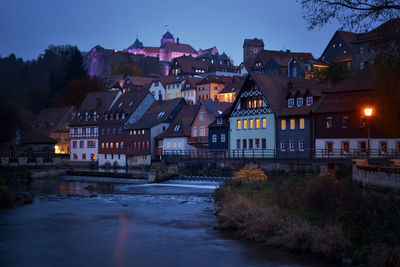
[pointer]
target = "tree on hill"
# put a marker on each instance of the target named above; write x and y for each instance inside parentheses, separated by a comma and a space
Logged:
(75, 70)
(335, 73)
(352, 14)
(131, 69)
(77, 90)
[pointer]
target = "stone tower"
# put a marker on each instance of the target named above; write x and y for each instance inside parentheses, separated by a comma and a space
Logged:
(251, 48)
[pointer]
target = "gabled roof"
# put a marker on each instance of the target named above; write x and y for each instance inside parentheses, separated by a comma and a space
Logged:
(159, 112)
(136, 45)
(234, 84)
(389, 29)
(141, 81)
(358, 81)
(95, 101)
(213, 79)
(168, 35)
(167, 79)
(182, 48)
(128, 102)
(193, 81)
(30, 135)
(51, 119)
(188, 65)
(274, 87)
(184, 120)
(176, 79)
(215, 108)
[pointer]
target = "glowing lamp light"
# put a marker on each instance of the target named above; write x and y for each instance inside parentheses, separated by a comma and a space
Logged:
(368, 111)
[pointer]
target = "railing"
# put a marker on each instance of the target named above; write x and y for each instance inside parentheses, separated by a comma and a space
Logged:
(82, 136)
(279, 154)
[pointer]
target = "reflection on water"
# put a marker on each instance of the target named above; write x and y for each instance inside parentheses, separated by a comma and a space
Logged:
(132, 225)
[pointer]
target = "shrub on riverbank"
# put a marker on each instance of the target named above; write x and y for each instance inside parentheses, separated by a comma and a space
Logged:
(321, 215)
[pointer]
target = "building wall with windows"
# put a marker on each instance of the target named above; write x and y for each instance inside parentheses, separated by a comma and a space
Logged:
(247, 136)
(218, 138)
(173, 90)
(294, 137)
(175, 145)
(84, 144)
(157, 89)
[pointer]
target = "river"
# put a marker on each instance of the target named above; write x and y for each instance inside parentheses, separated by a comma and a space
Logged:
(167, 224)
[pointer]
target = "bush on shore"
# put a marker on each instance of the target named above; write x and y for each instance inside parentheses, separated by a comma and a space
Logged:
(321, 215)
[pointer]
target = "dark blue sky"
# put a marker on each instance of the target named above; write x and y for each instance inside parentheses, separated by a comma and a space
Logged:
(27, 27)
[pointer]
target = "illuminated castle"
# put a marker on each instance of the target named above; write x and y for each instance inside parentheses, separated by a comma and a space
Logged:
(169, 49)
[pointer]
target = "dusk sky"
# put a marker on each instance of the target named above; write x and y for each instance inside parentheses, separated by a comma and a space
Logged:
(27, 27)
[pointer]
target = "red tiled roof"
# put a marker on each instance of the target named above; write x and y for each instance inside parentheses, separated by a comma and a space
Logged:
(141, 81)
(152, 49)
(348, 37)
(358, 81)
(189, 64)
(167, 79)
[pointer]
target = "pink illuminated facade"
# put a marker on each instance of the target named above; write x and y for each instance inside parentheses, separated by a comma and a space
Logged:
(168, 50)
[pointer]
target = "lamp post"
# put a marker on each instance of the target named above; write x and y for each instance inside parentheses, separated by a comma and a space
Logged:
(368, 113)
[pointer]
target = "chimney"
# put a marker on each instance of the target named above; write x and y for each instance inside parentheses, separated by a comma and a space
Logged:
(177, 40)
(159, 98)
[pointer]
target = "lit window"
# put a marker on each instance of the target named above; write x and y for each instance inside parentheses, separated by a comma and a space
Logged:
(202, 131)
(299, 101)
(362, 146)
(290, 102)
(239, 124)
(169, 96)
(345, 147)
(264, 122)
(194, 131)
(174, 144)
(102, 145)
(383, 147)
(301, 123)
(292, 124)
(106, 145)
(178, 94)
(251, 123)
(283, 124)
(111, 145)
(257, 123)
(254, 103)
(244, 124)
(167, 144)
(142, 131)
(329, 122)
(179, 143)
(116, 145)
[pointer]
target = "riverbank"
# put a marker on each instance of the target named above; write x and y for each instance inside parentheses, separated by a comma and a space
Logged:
(327, 217)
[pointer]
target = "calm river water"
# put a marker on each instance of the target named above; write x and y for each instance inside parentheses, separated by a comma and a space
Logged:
(168, 224)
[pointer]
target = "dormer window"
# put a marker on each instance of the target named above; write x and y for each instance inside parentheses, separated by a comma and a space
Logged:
(309, 100)
(120, 105)
(299, 101)
(160, 114)
(123, 115)
(111, 116)
(220, 121)
(117, 116)
(177, 127)
(290, 102)
(131, 103)
(105, 116)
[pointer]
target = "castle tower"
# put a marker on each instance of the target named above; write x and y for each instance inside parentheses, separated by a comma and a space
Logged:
(167, 38)
(251, 48)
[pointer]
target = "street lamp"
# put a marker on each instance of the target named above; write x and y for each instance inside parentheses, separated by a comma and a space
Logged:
(368, 113)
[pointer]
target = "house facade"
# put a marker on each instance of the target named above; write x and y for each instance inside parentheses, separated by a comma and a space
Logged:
(84, 129)
(113, 139)
(218, 132)
(189, 92)
(143, 133)
(252, 119)
(295, 123)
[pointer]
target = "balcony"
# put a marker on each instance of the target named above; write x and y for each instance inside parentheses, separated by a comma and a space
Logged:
(198, 140)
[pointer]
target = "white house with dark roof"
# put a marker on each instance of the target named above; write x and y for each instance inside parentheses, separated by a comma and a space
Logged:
(84, 129)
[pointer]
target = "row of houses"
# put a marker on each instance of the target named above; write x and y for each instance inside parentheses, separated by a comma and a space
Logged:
(272, 116)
